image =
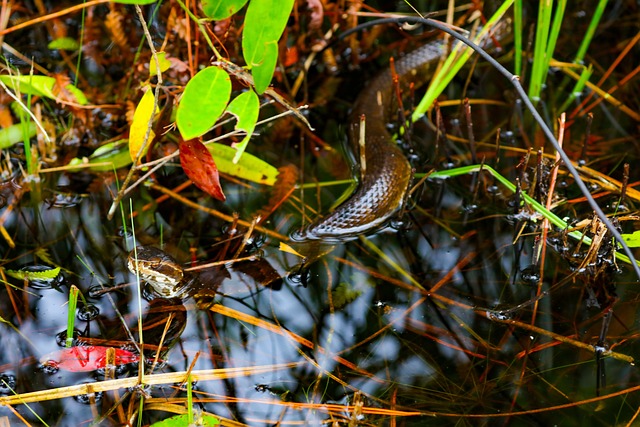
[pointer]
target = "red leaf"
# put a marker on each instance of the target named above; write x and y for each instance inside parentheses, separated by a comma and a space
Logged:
(200, 168)
(86, 359)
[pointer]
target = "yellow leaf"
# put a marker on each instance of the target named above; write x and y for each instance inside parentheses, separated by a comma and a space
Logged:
(140, 123)
(286, 248)
(165, 64)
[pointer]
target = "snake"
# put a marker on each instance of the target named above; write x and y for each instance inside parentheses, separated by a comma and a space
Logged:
(384, 183)
(168, 279)
(161, 271)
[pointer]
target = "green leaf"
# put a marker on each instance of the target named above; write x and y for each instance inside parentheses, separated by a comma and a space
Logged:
(64, 43)
(13, 134)
(262, 75)
(260, 37)
(245, 107)
(38, 275)
(249, 167)
(203, 101)
(41, 86)
(633, 239)
(165, 64)
(183, 421)
(221, 9)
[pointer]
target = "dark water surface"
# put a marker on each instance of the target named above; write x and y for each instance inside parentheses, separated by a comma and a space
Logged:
(446, 318)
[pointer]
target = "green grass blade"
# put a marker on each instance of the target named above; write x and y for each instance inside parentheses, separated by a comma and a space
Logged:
(555, 32)
(537, 206)
(71, 314)
(453, 64)
(538, 74)
(517, 36)
(585, 75)
(588, 36)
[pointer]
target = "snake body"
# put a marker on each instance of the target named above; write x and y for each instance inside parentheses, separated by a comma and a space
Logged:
(384, 183)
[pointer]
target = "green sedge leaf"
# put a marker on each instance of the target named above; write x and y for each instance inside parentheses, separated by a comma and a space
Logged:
(260, 37)
(108, 157)
(453, 64)
(140, 123)
(221, 9)
(37, 275)
(245, 107)
(13, 134)
(64, 43)
(78, 94)
(205, 98)
(41, 86)
(165, 64)
(633, 239)
(249, 167)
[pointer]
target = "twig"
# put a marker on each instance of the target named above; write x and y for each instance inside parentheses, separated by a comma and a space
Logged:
(216, 213)
(145, 142)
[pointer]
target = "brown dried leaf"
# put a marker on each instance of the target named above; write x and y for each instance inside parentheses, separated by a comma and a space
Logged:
(113, 22)
(6, 119)
(60, 88)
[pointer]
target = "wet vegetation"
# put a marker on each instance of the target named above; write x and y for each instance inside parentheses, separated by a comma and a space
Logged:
(143, 283)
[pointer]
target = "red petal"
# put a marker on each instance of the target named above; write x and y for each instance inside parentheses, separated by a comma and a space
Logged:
(200, 168)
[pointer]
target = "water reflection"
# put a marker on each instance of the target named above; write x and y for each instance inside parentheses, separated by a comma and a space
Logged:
(447, 311)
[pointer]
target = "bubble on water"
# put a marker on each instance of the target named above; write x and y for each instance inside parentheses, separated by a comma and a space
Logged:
(124, 232)
(119, 371)
(89, 312)
(261, 388)
(8, 383)
(89, 398)
(448, 165)
(256, 240)
(493, 190)
(469, 208)
(507, 137)
(298, 277)
(530, 275)
(64, 200)
(398, 224)
(61, 338)
(498, 315)
(601, 349)
(50, 367)
(151, 362)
